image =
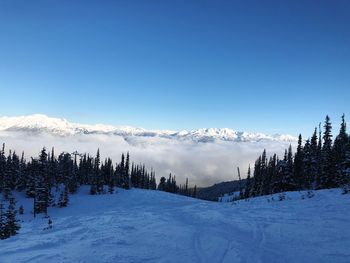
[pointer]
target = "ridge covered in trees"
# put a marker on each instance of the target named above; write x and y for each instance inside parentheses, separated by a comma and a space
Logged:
(318, 163)
(50, 179)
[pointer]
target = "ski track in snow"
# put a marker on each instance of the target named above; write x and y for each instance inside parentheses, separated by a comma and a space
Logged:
(151, 226)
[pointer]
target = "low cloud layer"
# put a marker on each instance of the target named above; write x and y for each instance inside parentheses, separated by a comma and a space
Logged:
(203, 163)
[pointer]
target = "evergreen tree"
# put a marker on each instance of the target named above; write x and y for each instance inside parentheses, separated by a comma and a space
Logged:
(315, 159)
(3, 234)
(64, 198)
(2, 168)
(194, 193)
(272, 173)
(319, 159)
(340, 149)
(298, 165)
(162, 184)
(22, 175)
(327, 175)
(264, 184)
(307, 167)
(247, 190)
(42, 185)
(289, 180)
(241, 194)
(96, 186)
(257, 183)
(31, 173)
(98, 176)
(126, 172)
(11, 225)
(8, 176)
(122, 172)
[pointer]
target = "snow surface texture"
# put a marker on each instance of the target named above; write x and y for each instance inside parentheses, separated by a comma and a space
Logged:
(199, 155)
(151, 226)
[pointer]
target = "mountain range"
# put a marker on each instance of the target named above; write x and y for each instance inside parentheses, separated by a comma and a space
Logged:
(39, 123)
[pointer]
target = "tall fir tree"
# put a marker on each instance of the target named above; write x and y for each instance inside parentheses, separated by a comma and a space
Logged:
(247, 190)
(327, 174)
(298, 165)
(3, 233)
(11, 226)
(340, 149)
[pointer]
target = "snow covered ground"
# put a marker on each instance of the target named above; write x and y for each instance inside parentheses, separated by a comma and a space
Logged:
(151, 226)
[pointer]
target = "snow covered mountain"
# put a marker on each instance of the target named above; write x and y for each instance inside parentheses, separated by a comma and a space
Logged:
(39, 123)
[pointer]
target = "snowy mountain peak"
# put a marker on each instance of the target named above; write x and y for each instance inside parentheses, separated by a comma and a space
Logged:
(41, 123)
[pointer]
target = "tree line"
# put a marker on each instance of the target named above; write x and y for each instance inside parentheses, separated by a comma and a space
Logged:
(50, 179)
(318, 163)
(169, 185)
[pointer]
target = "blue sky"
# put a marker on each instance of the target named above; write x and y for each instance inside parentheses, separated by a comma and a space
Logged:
(268, 66)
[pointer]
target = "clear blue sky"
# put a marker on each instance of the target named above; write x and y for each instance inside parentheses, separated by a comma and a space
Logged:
(269, 66)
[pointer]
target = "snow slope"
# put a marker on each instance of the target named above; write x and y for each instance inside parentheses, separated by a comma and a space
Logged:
(151, 226)
(58, 126)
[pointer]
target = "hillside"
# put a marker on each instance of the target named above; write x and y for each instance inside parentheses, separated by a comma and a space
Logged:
(214, 192)
(151, 226)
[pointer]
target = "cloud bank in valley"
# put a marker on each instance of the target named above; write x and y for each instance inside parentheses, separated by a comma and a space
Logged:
(204, 163)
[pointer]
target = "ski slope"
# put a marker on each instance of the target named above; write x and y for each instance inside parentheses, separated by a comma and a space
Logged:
(151, 226)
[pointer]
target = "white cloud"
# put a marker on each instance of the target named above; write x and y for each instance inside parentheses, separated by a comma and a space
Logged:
(203, 163)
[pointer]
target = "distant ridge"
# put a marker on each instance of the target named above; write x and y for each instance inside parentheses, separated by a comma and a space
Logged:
(40, 123)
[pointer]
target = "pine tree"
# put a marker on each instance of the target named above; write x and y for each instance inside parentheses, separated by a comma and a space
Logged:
(257, 178)
(247, 190)
(319, 159)
(110, 176)
(162, 184)
(264, 180)
(3, 234)
(64, 198)
(73, 176)
(272, 173)
(315, 160)
(298, 165)
(122, 172)
(241, 193)
(13, 171)
(346, 172)
(2, 168)
(96, 186)
(42, 186)
(127, 171)
(31, 173)
(11, 225)
(340, 152)
(289, 180)
(194, 193)
(22, 175)
(8, 174)
(307, 167)
(327, 175)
